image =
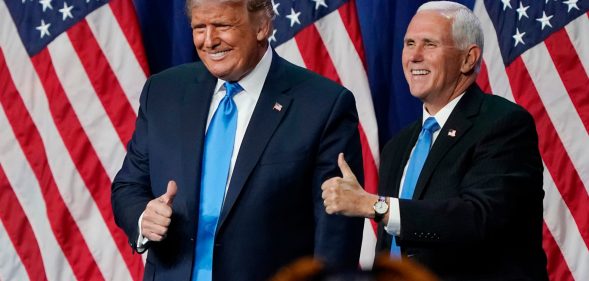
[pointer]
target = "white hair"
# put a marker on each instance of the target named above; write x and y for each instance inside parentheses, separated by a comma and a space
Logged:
(466, 27)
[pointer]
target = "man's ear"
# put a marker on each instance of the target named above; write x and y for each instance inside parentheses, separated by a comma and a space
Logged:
(263, 31)
(473, 55)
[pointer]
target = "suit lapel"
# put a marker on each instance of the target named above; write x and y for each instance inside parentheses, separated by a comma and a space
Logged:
(409, 143)
(264, 121)
(456, 126)
(195, 109)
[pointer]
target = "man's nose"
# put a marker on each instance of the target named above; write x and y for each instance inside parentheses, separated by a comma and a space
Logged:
(416, 53)
(211, 37)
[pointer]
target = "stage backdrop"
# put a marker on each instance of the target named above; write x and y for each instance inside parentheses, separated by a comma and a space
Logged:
(71, 72)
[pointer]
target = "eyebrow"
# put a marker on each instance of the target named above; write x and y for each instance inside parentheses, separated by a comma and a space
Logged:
(426, 40)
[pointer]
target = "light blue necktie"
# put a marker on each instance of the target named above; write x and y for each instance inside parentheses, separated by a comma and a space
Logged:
(216, 160)
(416, 161)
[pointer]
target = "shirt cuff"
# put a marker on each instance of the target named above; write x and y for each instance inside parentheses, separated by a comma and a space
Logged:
(393, 226)
(141, 240)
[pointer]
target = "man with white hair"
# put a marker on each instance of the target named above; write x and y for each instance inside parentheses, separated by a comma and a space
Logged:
(461, 188)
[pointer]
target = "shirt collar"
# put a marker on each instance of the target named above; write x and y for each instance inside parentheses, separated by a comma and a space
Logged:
(444, 113)
(253, 81)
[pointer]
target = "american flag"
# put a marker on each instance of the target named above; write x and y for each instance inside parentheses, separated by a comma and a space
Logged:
(537, 55)
(70, 75)
(324, 36)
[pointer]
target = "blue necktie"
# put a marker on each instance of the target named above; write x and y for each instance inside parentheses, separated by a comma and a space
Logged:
(416, 161)
(218, 148)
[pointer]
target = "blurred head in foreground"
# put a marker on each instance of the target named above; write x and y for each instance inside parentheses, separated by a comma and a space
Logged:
(384, 269)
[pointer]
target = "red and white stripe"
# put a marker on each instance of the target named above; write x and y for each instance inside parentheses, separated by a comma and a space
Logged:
(333, 48)
(550, 80)
(65, 117)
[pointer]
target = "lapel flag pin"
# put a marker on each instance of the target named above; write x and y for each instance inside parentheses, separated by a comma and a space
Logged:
(452, 133)
(277, 107)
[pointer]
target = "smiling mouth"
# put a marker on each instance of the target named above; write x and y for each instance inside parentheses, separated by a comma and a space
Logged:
(215, 55)
(419, 72)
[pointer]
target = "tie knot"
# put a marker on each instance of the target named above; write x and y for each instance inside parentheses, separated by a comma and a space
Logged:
(232, 88)
(431, 125)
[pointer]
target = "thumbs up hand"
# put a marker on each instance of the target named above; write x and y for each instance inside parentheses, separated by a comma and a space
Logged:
(158, 214)
(345, 196)
(168, 197)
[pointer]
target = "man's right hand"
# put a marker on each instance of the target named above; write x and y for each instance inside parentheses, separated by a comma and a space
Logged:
(345, 196)
(158, 215)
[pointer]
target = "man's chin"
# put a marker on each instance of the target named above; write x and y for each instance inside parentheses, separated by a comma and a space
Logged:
(231, 77)
(419, 93)
(218, 72)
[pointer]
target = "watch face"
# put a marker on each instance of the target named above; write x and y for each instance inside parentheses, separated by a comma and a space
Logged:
(381, 207)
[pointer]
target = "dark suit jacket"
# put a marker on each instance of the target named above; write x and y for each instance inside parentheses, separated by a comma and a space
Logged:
(476, 213)
(273, 211)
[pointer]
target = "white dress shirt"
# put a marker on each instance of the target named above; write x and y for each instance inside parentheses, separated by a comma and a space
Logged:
(393, 226)
(245, 101)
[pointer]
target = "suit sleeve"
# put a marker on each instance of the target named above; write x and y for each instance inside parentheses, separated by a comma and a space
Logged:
(131, 187)
(499, 196)
(337, 238)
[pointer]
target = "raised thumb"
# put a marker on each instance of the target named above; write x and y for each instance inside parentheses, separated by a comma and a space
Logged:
(168, 197)
(345, 168)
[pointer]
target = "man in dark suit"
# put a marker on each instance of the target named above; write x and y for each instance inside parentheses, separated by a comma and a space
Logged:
(283, 126)
(461, 188)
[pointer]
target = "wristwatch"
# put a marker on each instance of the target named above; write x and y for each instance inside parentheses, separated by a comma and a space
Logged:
(380, 208)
